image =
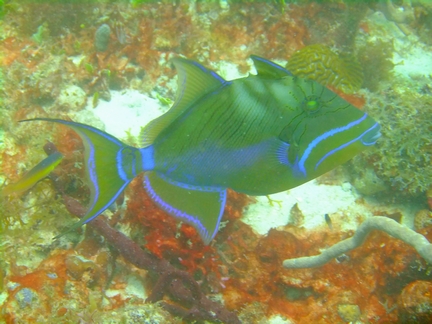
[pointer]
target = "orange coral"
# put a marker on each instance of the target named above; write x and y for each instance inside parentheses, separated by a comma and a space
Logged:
(356, 100)
(11, 50)
(365, 279)
(50, 277)
(37, 279)
(415, 303)
(181, 245)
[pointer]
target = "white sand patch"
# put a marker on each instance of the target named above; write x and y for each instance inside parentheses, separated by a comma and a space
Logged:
(313, 199)
(278, 319)
(127, 111)
(412, 57)
(413, 61)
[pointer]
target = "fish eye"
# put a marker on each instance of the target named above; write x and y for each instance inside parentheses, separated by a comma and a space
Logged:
(311, 104)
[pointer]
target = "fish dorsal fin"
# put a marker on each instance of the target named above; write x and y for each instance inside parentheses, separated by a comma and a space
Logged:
(268, 69)
(201, 207)
(194, 81)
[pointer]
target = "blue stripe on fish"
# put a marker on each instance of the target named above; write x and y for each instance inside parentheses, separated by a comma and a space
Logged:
(120, 170)
(375, 132)
(345, 145)
(324, 136)
(93, 175)
(210, 72)
(147, 157)
(270, 63)
(91, 167)
(109, 203)
(88, 127)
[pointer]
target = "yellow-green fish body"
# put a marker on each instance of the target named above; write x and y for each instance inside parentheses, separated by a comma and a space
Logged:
(39, 172)
(258, 135)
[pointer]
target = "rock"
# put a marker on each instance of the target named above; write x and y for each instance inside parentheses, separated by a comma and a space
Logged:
(102, 38)
(415, 303)
(349, 313)
(72, 98)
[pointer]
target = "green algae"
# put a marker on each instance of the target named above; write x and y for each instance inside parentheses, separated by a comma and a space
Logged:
(41, 34)
(402, 157)
(376, 60)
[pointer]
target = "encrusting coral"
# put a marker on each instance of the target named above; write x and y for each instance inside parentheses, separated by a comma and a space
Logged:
(385, 224)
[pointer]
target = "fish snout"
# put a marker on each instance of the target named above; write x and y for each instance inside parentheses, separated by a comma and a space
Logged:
(371, 136)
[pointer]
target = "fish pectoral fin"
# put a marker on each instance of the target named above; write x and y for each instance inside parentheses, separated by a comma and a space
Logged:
(201, 207)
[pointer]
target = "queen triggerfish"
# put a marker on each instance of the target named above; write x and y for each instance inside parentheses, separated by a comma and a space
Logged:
(258, 135)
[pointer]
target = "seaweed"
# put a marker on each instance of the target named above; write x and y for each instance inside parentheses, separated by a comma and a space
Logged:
(376, 60)
(402, 158)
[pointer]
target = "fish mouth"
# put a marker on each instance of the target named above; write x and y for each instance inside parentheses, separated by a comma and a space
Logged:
(367, 138)
(371, 136)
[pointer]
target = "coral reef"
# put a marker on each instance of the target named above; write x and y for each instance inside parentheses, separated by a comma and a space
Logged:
(402, 16)
(178, 284)
(102, 37)
(422, 219)
(388, 225)
(49, 56)
(320, 63)
(415, 303)
(309, 295)
(401, 160)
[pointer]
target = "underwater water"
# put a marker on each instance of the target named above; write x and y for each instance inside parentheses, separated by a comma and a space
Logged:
(348, 246)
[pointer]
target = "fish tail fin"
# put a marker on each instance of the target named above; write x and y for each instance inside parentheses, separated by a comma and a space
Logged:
(110, 166)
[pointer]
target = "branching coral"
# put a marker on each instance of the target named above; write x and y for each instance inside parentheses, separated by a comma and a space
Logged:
(385, 224)
(191, 303)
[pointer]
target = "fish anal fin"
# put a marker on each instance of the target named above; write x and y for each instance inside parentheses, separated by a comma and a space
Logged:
(200, 207)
